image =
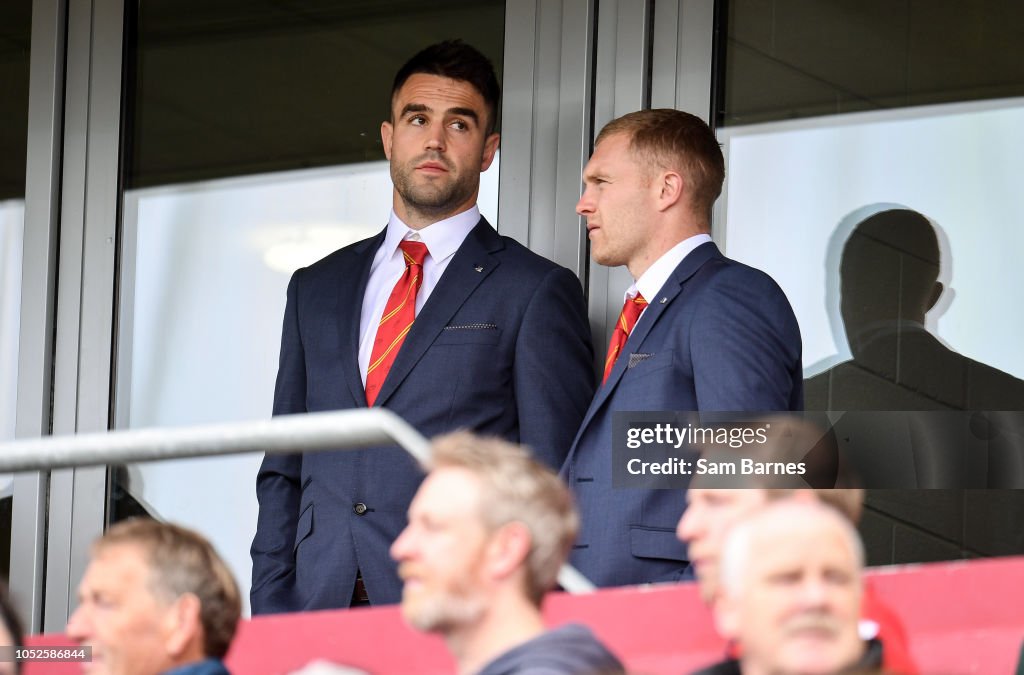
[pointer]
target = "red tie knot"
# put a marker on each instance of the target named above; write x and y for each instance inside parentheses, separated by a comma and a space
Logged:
(415, 252)
(632, 309)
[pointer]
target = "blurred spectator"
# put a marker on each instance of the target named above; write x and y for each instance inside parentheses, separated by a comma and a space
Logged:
(711, 512)
(789, 593)
(156, 598)
(10, 632)
(488, 531)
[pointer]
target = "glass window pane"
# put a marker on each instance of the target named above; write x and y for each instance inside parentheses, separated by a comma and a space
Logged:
(873, 168)
(788, 59)
(15, 32)
(255, 150)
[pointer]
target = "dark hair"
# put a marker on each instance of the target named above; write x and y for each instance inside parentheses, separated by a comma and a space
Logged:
(677, 140)
(455, 60)
(10, 621)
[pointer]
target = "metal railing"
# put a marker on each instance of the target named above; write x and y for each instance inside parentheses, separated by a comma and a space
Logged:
(343, 430)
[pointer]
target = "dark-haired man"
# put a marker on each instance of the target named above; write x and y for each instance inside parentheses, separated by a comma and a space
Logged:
(500, 344)
(697, 332)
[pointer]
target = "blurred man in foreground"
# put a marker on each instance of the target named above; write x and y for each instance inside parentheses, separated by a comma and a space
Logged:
(10, 632)
(488, 531)
(711, 512)
(789, 593)
(156, 598)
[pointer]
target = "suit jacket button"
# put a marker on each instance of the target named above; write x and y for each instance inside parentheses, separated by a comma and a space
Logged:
(359, 508)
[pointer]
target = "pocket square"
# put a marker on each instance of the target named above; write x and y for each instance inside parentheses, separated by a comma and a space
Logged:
(472, 326)
(635, 359)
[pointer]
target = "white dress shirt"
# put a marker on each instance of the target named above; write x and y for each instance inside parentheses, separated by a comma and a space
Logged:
(650, 282)
(442, 238)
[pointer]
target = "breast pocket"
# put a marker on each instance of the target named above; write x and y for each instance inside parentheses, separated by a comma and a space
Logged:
(469, 333)
(642, 363)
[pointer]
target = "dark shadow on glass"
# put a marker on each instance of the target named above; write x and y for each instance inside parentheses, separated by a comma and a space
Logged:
(889, 276)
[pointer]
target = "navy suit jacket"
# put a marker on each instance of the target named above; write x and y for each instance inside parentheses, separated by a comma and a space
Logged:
(719, 336)
(501, 347)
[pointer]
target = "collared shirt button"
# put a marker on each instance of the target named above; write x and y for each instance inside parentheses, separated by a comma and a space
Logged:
(359, 508)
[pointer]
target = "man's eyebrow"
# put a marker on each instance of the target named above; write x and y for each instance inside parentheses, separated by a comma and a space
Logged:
(414, 108)
(421, 107)
(464, 112)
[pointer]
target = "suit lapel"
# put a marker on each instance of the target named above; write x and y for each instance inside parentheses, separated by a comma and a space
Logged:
(458, 282)
(655, 309)
(352, 282)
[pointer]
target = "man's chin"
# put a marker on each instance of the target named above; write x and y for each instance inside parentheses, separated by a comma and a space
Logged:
(816, 654)
(434, 614)
(97, 666)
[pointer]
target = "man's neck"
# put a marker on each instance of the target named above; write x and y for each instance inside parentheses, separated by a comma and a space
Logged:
(504, 626)
(666, 239)
(417, 219)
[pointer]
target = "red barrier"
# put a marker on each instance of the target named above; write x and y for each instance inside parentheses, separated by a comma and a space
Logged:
(961, 617)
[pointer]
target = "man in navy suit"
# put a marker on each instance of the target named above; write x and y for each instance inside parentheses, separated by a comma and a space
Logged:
(698, 332)
(437, 318)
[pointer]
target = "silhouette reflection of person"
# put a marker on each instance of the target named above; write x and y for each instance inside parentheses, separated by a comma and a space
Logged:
(889, 280)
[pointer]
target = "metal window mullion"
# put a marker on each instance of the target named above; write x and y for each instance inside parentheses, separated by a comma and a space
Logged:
(682, 55)
(35, 353)
(682, 69)
(621, 86)
(546, 125)
(86, 294)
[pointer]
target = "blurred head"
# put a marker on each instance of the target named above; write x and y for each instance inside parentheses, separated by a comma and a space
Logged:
(712, 512)
(155, 596)
(717, 502)
(10, 632)
(488, 519)
(790, 590)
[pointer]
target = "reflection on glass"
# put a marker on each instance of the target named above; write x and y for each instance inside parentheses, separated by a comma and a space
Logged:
(911, 310)
(789, 60)
(797, 190)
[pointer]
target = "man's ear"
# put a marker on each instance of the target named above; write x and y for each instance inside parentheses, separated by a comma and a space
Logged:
(490, 147)
(183, 627)
(508, 549)
(670, 189)
(387, 131)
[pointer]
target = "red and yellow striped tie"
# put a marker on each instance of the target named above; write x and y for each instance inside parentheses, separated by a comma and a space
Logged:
(399, 313)
(627, 319)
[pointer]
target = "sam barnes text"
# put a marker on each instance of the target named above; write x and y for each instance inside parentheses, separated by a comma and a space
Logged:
(703, 466)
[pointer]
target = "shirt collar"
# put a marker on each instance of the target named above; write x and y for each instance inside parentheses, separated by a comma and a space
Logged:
(651, 281)
(442, 238)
